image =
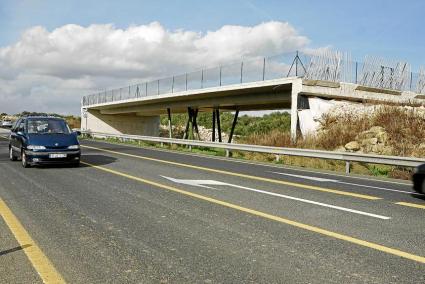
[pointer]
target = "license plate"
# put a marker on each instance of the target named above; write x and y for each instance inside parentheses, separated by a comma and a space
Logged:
(57, 156)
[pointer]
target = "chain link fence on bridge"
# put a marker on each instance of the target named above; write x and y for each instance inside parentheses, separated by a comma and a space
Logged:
(330, 66)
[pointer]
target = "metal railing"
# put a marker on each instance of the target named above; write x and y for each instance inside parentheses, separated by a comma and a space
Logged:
(311, 66)
(319, 154)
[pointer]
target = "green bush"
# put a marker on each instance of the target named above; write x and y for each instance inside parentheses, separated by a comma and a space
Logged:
(247, 125)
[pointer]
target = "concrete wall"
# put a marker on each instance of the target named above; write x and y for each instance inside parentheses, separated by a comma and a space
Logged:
(93, 120)
(354, 92)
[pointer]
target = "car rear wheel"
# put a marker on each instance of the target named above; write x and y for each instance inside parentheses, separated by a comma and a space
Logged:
(24, 160)
(12, 156)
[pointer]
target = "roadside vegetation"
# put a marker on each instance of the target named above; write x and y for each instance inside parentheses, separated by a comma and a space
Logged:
(390, 130)
(246, 126)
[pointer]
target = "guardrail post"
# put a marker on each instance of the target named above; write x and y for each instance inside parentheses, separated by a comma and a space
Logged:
(347, 167)
(227, 153)
(277, 158)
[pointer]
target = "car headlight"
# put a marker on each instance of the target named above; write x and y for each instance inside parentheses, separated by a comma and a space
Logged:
(35, 147)
(74, 147)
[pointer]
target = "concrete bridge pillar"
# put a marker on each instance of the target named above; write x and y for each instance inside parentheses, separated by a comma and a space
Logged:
(94, 121)
(295, 93)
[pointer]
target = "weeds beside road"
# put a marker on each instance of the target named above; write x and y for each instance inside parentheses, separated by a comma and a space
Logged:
(402, 133)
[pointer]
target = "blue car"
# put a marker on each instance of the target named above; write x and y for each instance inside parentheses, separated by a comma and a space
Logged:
(39, 140)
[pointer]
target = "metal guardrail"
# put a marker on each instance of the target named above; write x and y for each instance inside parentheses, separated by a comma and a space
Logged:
(319, 154)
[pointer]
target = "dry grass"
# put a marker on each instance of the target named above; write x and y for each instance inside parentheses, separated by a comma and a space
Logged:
(405, 128)
(74, 122)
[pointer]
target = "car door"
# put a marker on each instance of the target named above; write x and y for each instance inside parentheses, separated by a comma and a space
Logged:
(13, 135)
(20, 135)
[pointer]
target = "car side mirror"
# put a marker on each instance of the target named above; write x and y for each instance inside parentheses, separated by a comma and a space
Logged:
(78, 133)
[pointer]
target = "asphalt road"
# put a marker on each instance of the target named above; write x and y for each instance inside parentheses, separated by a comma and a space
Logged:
(133, 215)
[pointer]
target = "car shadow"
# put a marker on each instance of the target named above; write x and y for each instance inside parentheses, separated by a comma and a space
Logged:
(96, 160)
(93, 160)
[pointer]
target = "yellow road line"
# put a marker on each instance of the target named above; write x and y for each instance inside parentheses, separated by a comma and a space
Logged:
(39, 261)
(414, 205)
(299, 185)
(314, 229)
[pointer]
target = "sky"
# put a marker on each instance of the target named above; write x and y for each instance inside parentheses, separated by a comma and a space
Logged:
(54, 52)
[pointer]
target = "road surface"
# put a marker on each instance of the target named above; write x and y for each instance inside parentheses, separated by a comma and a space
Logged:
(135, 215)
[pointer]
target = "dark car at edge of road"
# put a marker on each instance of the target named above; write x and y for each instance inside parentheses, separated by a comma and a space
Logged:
(419, 179)
(41, 140)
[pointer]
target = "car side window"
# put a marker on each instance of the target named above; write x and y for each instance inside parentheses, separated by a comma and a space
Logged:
(21, 126)
(15, 125)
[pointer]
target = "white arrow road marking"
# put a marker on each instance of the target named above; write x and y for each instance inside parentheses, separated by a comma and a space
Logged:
(343, 182)
(203, 183)
(196, 182)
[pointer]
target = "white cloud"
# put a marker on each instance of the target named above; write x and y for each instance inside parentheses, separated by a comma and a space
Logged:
(51, 71)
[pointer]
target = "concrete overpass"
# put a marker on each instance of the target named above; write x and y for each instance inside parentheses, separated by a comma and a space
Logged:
(135, 110)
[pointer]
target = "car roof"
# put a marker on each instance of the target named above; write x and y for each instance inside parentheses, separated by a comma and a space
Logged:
(42, 117)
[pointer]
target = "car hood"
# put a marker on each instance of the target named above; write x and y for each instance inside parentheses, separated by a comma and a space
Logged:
(52, 140)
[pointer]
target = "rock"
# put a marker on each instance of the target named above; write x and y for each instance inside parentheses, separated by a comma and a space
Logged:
(352, 146)
(369, 141)
(373, 141)
(382, 137)
(367, 148)
(365, 135)
(340, 149)
(377, 129)
(374, 132)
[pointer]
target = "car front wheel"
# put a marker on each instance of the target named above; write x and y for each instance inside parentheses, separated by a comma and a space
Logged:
(12, 156)
(24, 160)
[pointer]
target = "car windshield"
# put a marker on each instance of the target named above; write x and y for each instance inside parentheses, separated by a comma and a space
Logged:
(47, 126)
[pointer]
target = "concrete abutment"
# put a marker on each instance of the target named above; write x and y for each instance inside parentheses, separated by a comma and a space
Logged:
(93, 120)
